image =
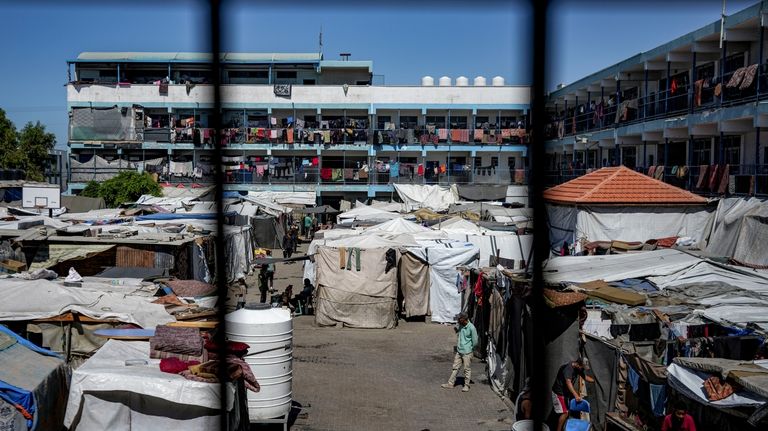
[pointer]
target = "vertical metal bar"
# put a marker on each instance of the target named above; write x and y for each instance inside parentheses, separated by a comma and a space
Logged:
(118, 75)
(666, 159)
(689, 161)
(666, 94)
(602, 97)
(575, 125)
(760, 58)
(757, 148)
(692, 85)
(722, 71)
(645, 154)
(589, 103)
(720, 149)
(269, 76)
(645, 94)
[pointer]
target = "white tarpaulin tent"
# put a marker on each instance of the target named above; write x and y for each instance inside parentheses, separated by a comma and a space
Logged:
(286, 198)
(39, 299)
(443, 258)
(106, 393)
(595, 223)
(362, 212)
(433, 197)
(740, 231)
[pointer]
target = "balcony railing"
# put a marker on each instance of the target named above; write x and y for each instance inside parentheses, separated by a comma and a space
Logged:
(684, 98)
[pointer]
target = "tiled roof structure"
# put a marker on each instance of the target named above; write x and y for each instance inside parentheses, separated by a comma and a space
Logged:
(619, 186)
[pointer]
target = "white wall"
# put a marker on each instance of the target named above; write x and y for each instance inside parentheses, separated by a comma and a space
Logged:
(309, 94)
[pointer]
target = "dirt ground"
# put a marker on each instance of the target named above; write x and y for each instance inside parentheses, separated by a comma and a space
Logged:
(370, 379)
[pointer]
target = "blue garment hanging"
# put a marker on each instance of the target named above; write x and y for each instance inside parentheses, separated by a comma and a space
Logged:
(658, 398)
(633, 378)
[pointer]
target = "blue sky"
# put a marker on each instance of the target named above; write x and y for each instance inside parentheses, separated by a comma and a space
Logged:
(404, 41)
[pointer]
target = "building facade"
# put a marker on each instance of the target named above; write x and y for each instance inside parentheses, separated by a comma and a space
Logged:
(291, 122)
(696, 106)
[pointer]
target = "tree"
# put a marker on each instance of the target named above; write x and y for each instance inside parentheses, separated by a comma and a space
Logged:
(27, 149)
(35, 143)
(125, 187)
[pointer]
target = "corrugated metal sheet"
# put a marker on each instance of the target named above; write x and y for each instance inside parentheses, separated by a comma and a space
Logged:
(132, 257)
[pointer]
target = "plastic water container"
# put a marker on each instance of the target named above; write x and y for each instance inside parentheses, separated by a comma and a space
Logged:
(269, 333)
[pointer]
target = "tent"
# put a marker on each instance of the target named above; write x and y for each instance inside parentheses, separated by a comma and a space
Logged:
(107, 394)
(433, 197)
(739, 231)
(81, 204)
(34, 380)
(363, 213)
(617, 203)
(443, 258)
(356, 281)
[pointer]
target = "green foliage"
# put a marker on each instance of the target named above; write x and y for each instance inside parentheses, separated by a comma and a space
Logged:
(125, 187)
(27, 149)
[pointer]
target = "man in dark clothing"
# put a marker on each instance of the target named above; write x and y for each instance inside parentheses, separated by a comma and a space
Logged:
(287, 245)
(295, 238)
(263, 283)
(563, 389)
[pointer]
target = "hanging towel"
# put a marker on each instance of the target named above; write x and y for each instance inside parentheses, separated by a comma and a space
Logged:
(651, 171)
(442, 134)
(713, 178)
(337, 174)
(724, 176)
(658, 398)
(633, 378)
(455, 135)
(420, 170)
(702, 180)
(349, 173)
(659, 173)
(326, 173)
(749, 77)
(350, 252)
(342, 256)
(478, 135)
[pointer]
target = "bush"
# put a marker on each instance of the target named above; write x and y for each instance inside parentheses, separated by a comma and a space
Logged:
(125, 187)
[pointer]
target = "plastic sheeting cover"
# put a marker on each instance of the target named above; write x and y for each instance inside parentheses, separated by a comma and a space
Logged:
(433, 197)
(106, 372)
(693, 381)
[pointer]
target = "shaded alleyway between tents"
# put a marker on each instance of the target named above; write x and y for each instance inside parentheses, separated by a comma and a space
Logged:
(353, 379)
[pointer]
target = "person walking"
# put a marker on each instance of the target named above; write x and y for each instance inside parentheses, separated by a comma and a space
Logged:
(288, 245)
(270, 271)
(465, 344)
(295, 239)
(563, 389)
(307, 225)
(263, 283)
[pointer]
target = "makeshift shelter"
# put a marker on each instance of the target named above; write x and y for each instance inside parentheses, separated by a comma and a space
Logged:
(617, 203)
(81, 204)
(33, 385)
(433, 197)
(363, 213)
(108, 394)
(356, 279)
(740, 231)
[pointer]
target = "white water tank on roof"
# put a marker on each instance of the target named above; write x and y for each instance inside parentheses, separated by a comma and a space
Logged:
(479, 81)
(269, 333)
(497, 81)
(462, 81)
(445, 81)
(427, 81)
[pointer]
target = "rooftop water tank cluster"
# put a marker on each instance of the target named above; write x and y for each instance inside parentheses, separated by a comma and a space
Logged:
(461, 81)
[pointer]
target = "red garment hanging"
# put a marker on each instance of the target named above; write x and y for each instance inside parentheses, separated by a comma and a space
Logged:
(673, 87)
(478, 290)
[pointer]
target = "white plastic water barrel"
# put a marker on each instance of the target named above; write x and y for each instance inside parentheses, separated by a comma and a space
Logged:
(444, 81)
(269, 333)
(527, 425)
(427, 81)
(462, 81)
(479, 81)
(497, 81)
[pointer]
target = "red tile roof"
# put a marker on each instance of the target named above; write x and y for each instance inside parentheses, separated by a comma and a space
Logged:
(619, 186)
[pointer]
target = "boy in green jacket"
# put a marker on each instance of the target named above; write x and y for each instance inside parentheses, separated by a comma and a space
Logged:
(465, 344)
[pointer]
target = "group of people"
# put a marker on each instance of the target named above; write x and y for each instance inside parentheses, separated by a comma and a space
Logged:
(564, 389)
